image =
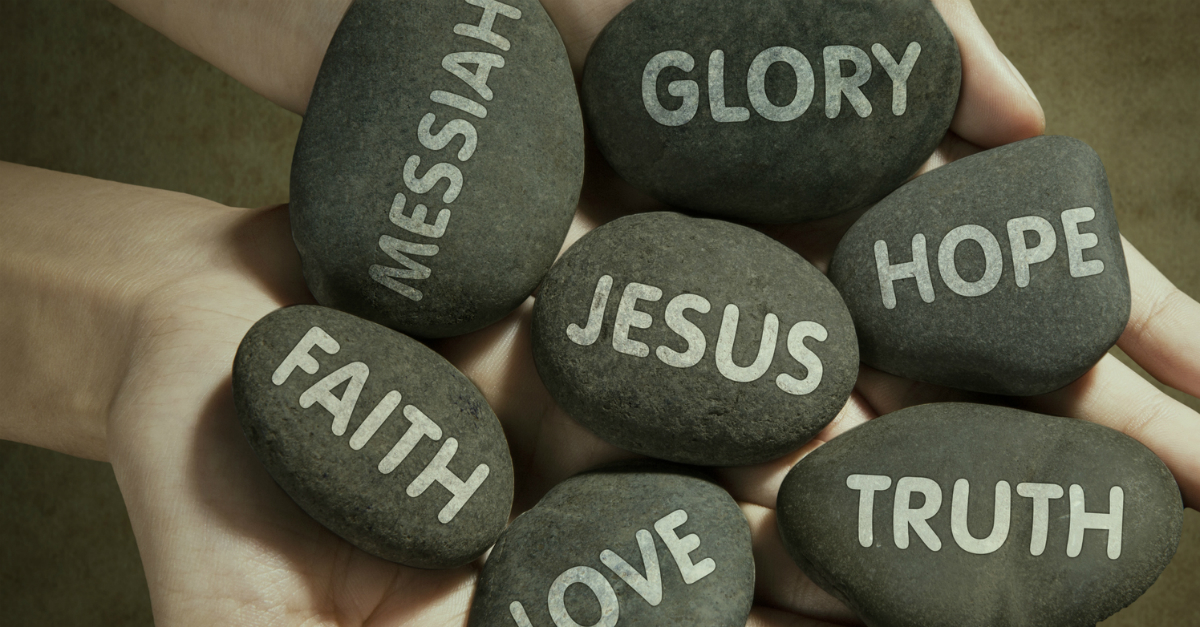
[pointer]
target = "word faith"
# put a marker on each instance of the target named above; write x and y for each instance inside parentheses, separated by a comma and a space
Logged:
(420, 425)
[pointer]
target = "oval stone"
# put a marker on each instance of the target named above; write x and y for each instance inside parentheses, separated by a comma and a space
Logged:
(962, 515)
(638, 544)
(771, 112)
(374, 435)
(693, 340)
(439, 163)
(1002, 272)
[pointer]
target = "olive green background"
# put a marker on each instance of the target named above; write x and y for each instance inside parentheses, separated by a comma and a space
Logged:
(88, 90)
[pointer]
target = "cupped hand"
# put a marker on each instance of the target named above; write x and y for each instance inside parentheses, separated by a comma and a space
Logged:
(222, 544)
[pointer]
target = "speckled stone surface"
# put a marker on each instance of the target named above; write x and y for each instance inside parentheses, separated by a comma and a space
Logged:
(439, 163)
(374, 435)
(641, 544)
(966, 315)
(707, 343)
(845, 511)
(762, 134)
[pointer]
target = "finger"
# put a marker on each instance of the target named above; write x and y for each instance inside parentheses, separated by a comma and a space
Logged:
(886, 393)
(950, 149)
(995, 105)
(1112, 395)
(767, 617)
(274, 48)
(759, 484)
(579, 22)
(1161, 335)
(779, 584)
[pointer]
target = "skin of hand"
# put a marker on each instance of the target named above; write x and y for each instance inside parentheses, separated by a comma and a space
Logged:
(127, 316)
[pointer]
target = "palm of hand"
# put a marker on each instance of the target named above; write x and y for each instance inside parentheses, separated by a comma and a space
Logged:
(221, 543)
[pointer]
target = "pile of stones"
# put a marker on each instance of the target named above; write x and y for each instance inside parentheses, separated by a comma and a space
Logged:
(434, 181)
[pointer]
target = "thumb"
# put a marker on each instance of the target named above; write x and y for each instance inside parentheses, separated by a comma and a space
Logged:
(996, 105)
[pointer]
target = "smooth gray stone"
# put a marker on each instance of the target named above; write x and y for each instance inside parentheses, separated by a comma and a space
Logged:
(777, 151)
(1035, 574)
(638, 545)
(664, 382)
(437, 219)
(992, 326)
(431, 486)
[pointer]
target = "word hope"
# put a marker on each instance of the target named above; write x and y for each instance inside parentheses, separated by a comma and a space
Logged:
(1022, 256)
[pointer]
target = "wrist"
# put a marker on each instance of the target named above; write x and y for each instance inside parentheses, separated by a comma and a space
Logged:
(273, 47)
(84, 264)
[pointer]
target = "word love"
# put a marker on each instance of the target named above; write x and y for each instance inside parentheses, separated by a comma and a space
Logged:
(906, 518)
(415, 222)
(648, 586)
(837, 84)
(629, 317)
(354, 376)
(1023, 257)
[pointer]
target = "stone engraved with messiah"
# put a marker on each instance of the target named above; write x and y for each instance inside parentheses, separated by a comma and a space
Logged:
(439, 163)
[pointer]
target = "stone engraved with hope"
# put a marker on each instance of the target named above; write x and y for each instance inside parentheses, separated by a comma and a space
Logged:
(484, 62)
(836, 85)
(629, 317)
(420, 426)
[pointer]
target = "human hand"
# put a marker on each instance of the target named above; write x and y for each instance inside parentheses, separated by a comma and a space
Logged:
(553, 447)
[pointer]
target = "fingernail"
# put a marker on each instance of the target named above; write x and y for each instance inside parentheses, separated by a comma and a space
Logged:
(1017, 73)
